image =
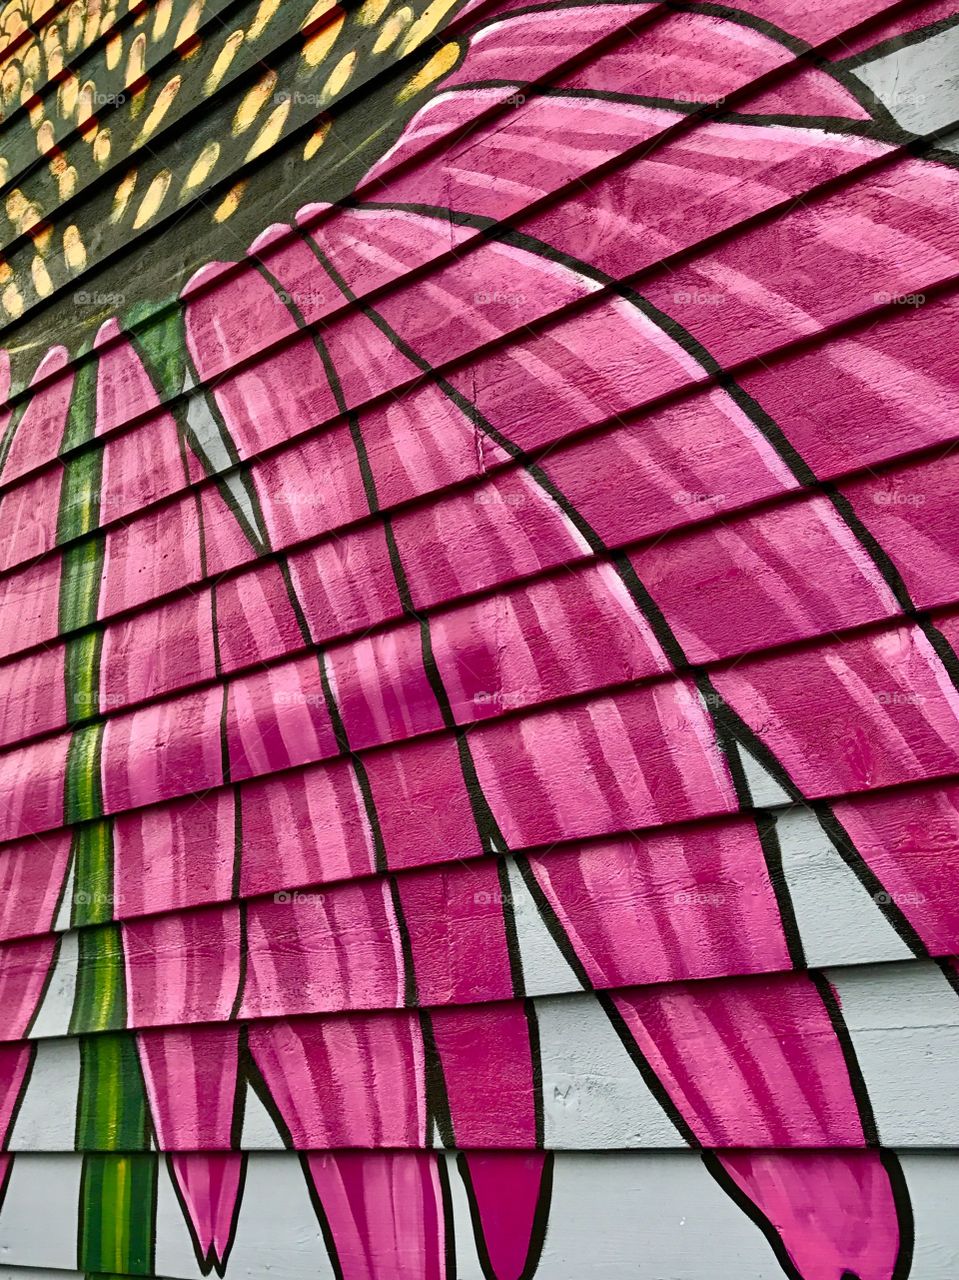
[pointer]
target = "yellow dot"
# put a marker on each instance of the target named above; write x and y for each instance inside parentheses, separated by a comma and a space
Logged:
(371, 11)
(316, 140)
(31, 62)
(318, 45)
(202, 167)
(136, 60)
(393, 27)
(425, 25)
(122, 195)
(253, 103)
(42, 236)
(223, 60)
(262, 19)
(74, 25)
(46, 138)
(5, 273)
(155, 195)
(438, 65)
(114, 52)
(161, 18)
(41, 278)
(4, 170)
(12, 301)
(10, 82)
(15, 204)
(67, 182)
(91, 28)
(230, 203)
(101, 148)
(319, 9)
(68, 93)
(271, 130)
(74, 253)
(85, 101)
(191, 20)
(161, 106)
(51, 46)
(339, 78)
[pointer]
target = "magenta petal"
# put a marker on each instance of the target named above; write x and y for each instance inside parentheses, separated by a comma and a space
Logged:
(507, 1194)
(385, 1214)
(747, 1063)
(191, 1081)
(486, 1054)
(835, 1214)
(14, 1065)
(40, 430)
(209, 1188)
(356, 1081)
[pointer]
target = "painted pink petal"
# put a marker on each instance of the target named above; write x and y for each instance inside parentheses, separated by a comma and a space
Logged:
(40, 431)
(877, 380)
(24, 966)
(304, 828)
(231, 316)
(454, 918)
(475, 540)
(870, 711)
(638, 759)
(32, 596)
(15, 1062)
(255, 618)
(29, 511)
(828, 1214)
(331, 950)
(35, 697)
(156, 552)
(355, 1081)
(747, 1063)
(182, 967)
(278, 718)
(31, 783)
(162, 751)
(761, 580)
(768, 278)
(897, 24)
(6, 1166)
(511, 1199)
(673, 479)
(346, 583)
(142, 464)
(31, 879)
(383, 691)
(814, 26)
(157, 650)
(191, 1082)
(312, 488)
(210, 1187)
(695, 903)
(29, 516)
(543, 640)
(539, 45)
(912, 514)
(486, 1054)
(174, 856)
(689, 189)
(385, 1214)
(423, 806)
(910, 841)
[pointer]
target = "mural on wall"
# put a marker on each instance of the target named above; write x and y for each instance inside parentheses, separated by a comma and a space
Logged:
(479, 587)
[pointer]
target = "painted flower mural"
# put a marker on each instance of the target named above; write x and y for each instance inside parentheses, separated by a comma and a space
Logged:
(465, 622)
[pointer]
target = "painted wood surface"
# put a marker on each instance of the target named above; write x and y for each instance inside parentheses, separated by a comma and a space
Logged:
(479, 597)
